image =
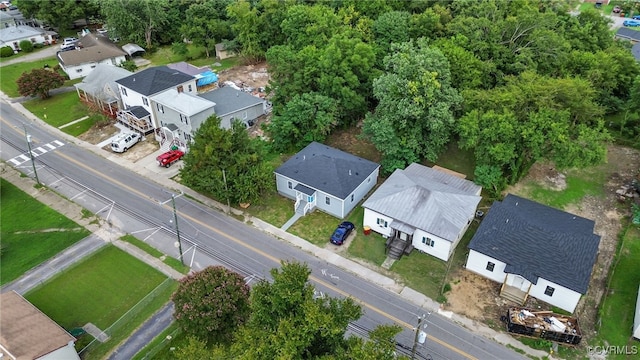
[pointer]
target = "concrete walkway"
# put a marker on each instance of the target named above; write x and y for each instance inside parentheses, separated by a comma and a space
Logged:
(290, 222)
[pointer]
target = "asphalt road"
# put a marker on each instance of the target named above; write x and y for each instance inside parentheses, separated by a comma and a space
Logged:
(139, 206)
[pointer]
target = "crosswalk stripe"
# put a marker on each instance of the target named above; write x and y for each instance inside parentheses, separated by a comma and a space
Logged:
(15, 162)
(57, 142)
(40, 149)
(22, 157)
(51, 147)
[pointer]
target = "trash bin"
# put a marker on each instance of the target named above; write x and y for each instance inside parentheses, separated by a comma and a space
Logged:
(366, 230)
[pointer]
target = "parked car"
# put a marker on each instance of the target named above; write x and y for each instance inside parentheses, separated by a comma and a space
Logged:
(342, 233)
(69, 41)
(169, 157)
(617, 9)
(636, 17)
(631, 23)
(125, 141)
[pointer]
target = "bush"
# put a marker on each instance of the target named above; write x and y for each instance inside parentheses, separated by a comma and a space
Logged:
(129, 65)
(6, 51)
(38, 46)
(26, 46)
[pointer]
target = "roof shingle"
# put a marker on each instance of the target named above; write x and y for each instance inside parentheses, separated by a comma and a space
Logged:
(153, 80)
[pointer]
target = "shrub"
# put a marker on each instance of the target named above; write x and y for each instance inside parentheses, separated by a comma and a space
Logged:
(26, 46)
(38, 46)
(6, 51)
(129, 65)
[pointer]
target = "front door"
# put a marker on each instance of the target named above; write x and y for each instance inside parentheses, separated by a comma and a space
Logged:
(517, 281)
(310, 199)
(403, 236)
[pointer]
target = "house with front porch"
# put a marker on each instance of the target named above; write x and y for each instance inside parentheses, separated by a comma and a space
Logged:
(136, 91)
(324, 178)
(12, 36)
(99, 89)
(422, 208)
(535, 250)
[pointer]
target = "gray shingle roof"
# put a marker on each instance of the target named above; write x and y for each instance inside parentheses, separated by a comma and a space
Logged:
(535, 240)
(627, 33)
(229, 100)
(153, 80)
(93, 49)
(327, 169)
(103, 76)
(427, 199)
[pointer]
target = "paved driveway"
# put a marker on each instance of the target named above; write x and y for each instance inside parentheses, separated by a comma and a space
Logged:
(45, 52)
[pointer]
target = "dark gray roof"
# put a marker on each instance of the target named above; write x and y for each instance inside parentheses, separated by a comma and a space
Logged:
(627, 33)
(138, 111)
(327, 169)
(635, 50)
(536, 240)
(153, 80)
(427, 199)
(101, 78)
(229, 100)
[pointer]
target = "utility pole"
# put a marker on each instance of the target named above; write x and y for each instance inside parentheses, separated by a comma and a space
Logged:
(420, 337)
(175, 217)
(33, 163)
(224, 178)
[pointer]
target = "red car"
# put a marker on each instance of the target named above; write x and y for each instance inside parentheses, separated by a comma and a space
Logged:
(168, 158)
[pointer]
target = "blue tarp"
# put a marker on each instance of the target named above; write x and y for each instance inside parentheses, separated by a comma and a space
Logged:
(206, 78)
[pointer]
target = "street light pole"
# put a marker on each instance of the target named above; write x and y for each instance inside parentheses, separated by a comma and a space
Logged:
(33, 163)
(420, 336)
(175, 217)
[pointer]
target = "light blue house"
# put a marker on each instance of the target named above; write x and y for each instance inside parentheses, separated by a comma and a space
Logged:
(325, 178)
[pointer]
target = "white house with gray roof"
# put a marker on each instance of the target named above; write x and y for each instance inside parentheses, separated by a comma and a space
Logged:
(100, 88)
(422, 208)
(12, 35)
(91, 51)
(325, 178)
(535, 250)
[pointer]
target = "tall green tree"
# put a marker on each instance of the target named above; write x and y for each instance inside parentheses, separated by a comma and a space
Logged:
(207, 23)
(136, 20)
(227, 163)
(414, 117)
(245, 20)
(210, 304)
(61, 13)
(306, 118)
(287, 322)
(531, 118)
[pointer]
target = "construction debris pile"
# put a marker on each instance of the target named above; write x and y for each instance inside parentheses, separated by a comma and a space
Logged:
(544, 324)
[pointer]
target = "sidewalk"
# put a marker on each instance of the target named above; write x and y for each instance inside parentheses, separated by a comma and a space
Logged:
(152, 172)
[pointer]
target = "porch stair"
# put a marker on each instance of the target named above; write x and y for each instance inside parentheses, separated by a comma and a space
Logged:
(300, 207)
(397, 247)
(513, 294)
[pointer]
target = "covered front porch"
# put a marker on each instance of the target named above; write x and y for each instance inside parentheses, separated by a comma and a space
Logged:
(136, 118)
(305, 199)
(399, 243)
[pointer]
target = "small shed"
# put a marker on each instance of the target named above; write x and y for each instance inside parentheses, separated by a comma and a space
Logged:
(222, 52)
(133, 49)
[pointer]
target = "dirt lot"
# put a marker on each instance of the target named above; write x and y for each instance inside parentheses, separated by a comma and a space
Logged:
(477, 297)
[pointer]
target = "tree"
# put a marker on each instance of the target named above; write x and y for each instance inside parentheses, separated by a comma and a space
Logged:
(306, 118)
(210, 304)
(38, 82)
(207, 23)
(245, 22)
(287, 322)
(136, 20)
(414, 116)
(60, 13)
(6, 51)
(227, 154)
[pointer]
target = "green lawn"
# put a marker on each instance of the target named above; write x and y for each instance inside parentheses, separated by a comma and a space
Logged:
(273, 208)
(99, 290)
(173, 262)
(30, 240)
(196, 57)
(9, 74)
(618, 307)
(59, 109)
(456, 159)
(368, 247)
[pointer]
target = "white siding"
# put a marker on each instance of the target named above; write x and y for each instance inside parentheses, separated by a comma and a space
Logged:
(636, 320)
(441, 248)
(86, 68)
(64, 353)
(477, 263)
(371, 220)
(562, 297)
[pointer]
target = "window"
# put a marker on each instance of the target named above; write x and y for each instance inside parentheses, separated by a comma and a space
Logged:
(427, 241)
(369, 179)
(78, 70)
(160, 108)
(124, 91)
(189, 87)
(381, 222)
(289, 185)
(180, 88)
(93, 66)
(351, 197)
(327, 200)
(549, 291)
(145, 101)
(490, 266)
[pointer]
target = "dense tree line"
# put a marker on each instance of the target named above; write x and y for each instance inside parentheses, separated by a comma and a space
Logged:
(418, 74)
